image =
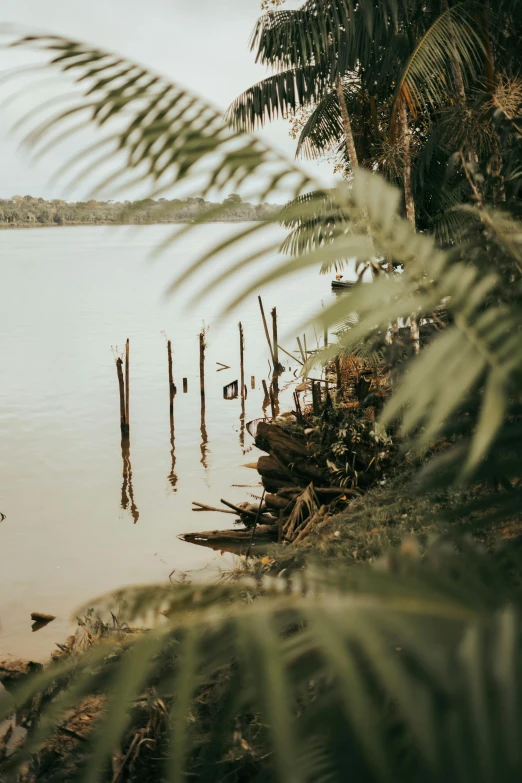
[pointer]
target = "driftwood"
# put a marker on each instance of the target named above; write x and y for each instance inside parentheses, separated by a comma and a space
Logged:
(235, 541)
(16, 669)
(307, 529)
(204, 507)
(253, 515)
(271, 468)
(277, 502)
(42, 618)
(274, 439)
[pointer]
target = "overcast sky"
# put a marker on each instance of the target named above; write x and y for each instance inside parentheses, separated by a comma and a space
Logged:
(201, 43)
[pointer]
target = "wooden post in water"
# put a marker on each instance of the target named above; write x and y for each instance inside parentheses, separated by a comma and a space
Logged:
(127, 383)
(124, 426)
(185, 385)
(202, 363)
(172, 388)
(252, 382)
(325, 336)
(266, 329)
(242, 359)
(277, 367)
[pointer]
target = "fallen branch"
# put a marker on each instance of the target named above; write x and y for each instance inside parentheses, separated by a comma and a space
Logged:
(204, 507)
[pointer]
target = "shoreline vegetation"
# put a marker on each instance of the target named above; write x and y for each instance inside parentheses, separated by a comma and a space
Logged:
(33, 212)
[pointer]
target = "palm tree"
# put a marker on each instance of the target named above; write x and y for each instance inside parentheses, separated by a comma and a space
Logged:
(395, 61)
(411, 673)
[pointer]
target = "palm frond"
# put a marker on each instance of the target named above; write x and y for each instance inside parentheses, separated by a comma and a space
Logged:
(329, 660)
(424, 79)
(277, 96)
(165, 133)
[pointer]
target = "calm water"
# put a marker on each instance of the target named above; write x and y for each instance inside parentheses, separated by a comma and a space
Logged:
(68, 295)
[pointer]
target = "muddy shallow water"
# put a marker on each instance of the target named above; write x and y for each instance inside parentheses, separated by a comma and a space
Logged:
(68, 295)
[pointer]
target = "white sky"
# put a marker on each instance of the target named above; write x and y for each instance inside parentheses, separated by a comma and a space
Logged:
(201, 43)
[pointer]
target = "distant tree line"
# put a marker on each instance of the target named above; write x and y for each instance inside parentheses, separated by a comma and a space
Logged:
(28, 210)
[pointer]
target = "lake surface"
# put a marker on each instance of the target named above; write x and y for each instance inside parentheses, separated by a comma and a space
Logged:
(68, 295)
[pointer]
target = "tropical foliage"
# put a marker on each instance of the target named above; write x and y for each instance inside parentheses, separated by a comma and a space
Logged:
(403, 88)
(409, 670)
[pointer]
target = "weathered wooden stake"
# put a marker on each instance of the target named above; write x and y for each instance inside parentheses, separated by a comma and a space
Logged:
(252, 382)
(242, 359)
(124, 426)
(173, 479)
(325, 336)
(273, 403)
(127, 382)
(266, 329)
(267, 394)
(185, 385)
(172, 387)
(303, 355)
(202, 363)
(277, 367)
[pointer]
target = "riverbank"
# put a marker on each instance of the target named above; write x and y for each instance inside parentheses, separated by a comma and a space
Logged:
(66, 224)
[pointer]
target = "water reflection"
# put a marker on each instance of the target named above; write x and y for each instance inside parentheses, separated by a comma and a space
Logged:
(127, 490)
(242, 423)
(173, 478)
(204, 436)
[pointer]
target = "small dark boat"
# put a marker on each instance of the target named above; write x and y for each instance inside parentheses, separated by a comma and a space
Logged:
(342, 284)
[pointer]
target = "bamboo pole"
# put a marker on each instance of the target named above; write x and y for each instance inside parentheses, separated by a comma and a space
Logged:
(277, 366)
(121, 384)
(266, 329)
(172, 387)
(202, 363)
(294, 358)
(127, 383)
(303, 355)
(173, 479)
(242, 359)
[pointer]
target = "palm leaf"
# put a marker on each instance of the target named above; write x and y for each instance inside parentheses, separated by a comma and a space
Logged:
(423, 81)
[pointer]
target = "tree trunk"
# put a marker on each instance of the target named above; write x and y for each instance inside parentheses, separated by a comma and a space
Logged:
(410, 204)
(406, 152)
(347, 126)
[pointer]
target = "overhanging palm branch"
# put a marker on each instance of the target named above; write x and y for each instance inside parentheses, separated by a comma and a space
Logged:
(425, 79)
(383, 672)
(167, 133)
(277, 96)
(323, 131)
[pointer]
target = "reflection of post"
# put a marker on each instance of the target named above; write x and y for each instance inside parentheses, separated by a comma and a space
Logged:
(126, 486)
(127, 382)
(243, 387)
(173, 479)
(204, 436)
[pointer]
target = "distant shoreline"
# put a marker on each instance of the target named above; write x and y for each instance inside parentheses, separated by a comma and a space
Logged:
(9, 226)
